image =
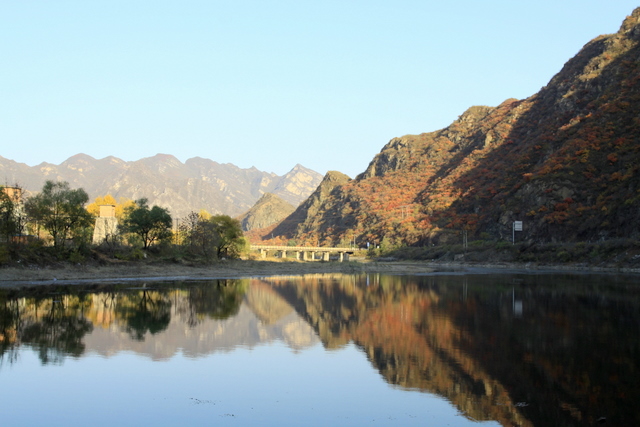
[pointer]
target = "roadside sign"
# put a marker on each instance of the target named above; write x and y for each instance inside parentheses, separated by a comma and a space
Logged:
(517, 226)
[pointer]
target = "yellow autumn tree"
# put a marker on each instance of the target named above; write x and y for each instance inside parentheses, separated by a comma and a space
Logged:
(121, 205)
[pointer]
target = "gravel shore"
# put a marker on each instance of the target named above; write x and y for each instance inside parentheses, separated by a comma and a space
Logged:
(19, 277)
(16, 277)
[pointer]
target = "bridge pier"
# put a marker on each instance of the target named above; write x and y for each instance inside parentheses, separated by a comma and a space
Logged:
(304, 253)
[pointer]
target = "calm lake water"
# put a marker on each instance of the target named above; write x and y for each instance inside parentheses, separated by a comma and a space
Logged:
(435, 350)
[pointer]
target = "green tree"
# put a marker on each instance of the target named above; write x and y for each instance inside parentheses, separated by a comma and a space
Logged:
(9, 221)
(151, 225)
(198, 234)
(60, 211)
(230, 241)
(216, 236)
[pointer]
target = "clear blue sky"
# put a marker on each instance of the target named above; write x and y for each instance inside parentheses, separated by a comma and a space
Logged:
(269, 83)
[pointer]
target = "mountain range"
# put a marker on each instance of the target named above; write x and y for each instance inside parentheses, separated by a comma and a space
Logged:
(167, 182)
(563, 163)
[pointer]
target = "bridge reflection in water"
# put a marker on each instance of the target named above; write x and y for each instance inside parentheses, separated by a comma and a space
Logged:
(305, 253)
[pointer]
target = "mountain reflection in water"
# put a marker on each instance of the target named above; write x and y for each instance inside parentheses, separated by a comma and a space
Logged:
(525, 350)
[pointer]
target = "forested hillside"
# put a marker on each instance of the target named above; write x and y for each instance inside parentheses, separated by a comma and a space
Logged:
(564, 161)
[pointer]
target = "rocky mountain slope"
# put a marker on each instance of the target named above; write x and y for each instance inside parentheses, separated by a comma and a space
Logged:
(564, 161)
(166, 181)
(310, 216)
(269, 210)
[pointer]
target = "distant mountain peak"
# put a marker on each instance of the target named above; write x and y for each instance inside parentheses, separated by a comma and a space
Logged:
(80, 157)
(163, 158)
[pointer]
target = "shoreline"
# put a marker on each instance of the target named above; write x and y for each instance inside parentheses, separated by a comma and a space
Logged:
(16, 277)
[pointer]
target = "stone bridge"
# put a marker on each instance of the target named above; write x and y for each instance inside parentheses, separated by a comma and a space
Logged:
(304, 253)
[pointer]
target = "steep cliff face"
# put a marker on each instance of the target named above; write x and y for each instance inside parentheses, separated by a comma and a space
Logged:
(564, 161)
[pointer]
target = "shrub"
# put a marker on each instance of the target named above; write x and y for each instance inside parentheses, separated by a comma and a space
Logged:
(5, 256)
(503, 245)
(76, 257)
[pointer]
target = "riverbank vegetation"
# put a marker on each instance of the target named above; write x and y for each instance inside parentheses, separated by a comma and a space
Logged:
(618, 253)
(54, 227)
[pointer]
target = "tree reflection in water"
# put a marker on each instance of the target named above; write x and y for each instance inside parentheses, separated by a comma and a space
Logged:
(523, 350)
(9, 326)
(143, 311)
(220, 300)
(54, 326)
